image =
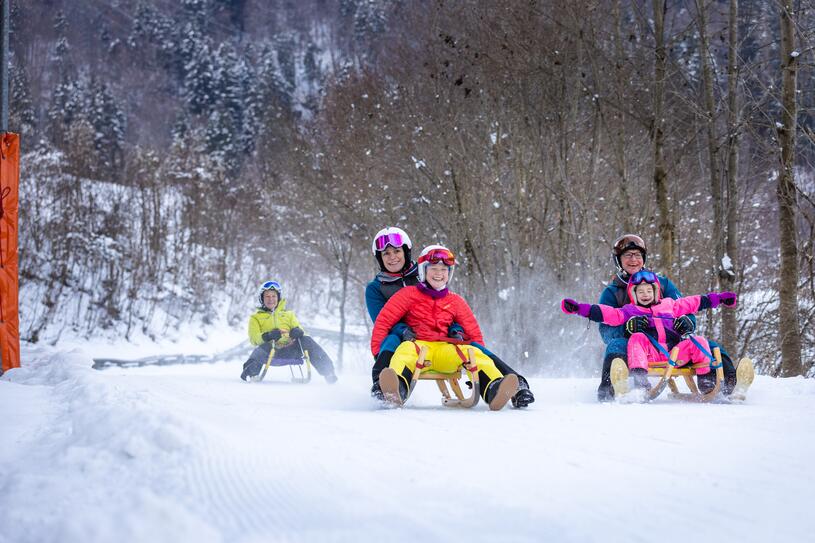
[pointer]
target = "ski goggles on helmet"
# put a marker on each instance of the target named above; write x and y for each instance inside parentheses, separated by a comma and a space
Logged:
(643, 276)
(628, 241)
(435, 256)
(268, 285)
(393, 239)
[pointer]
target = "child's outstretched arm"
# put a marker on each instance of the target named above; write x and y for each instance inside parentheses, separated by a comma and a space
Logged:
(594, 312)
(691, 304)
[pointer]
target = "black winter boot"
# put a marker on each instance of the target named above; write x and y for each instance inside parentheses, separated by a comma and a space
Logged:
(376, 391)
(729, 375)
(706, 382)
(250, 369)
(639, 378)
(524, 396)
(605, 392)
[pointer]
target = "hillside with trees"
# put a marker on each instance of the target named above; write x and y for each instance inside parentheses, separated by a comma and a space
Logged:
(177, 153)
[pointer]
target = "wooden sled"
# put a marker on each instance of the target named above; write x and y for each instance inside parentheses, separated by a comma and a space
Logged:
(667, 371)
(425, 372)
(304, 360)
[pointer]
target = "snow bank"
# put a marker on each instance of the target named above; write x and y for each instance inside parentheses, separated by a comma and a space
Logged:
(97, 466)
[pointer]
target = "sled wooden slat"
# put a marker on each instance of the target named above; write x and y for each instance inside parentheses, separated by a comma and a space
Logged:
(668, 372)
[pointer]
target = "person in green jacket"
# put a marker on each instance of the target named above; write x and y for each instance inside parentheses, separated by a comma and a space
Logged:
(273, 325)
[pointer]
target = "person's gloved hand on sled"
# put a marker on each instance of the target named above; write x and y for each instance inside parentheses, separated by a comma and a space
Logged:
(296, 333)
(684, 325)
(455, 332)
(636, 324)
(408, 334)
(272, 335)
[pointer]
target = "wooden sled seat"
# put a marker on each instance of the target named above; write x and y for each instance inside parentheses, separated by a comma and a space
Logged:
(424, 371)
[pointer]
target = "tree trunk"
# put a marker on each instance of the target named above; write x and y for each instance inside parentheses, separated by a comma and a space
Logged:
(619, 136)
(666, 227)
(789, 332)
(712, 139)
(729, 276)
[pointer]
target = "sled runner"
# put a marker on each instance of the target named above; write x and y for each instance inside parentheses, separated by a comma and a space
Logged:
(389, 382)
(667, 371)
(303, 360)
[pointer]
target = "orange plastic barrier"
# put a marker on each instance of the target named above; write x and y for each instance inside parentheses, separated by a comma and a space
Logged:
(9, 277)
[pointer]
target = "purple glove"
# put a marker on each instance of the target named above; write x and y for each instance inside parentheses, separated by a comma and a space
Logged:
(724, 298)
(572, 307)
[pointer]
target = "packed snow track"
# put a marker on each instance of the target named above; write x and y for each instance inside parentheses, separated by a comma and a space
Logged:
(191, 453)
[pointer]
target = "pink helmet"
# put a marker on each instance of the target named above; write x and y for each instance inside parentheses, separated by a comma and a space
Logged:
(644, 276)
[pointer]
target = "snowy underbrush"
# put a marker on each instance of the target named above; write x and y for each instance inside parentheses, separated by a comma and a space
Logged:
(100, 448)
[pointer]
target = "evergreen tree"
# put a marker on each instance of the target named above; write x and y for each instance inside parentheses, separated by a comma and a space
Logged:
(287, 64)
(311, 66)
(22, 117)
(109, 122)
(199, 79)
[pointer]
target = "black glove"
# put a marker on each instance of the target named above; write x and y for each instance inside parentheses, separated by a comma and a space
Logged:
(684, 325)
(636, 324)
(455, 331)
(408, 334)
(272, 335)
(296, 333)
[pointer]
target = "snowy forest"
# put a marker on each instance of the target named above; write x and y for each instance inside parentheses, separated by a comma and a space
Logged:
(177, 153)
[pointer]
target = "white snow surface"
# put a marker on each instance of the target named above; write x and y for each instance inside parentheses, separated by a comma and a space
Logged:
(192, 453)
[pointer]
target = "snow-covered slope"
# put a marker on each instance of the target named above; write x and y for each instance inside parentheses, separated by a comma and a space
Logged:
(191, 453)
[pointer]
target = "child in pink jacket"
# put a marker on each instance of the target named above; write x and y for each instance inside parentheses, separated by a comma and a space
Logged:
(649, 314)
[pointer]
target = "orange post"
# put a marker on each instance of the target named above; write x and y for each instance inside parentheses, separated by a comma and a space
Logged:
(9, 265)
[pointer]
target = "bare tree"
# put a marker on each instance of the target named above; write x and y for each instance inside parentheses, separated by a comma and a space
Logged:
(728, 275)
(789, 331)
(666, 228)
(712, 139)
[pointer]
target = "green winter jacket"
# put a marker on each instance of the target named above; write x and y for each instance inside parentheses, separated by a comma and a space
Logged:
(264, 320)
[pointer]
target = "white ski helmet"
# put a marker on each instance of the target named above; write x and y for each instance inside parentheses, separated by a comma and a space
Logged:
(270, 285)
(433, 254)
(395, 237)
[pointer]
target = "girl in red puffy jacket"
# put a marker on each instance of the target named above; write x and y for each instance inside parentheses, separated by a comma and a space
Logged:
(429, 308)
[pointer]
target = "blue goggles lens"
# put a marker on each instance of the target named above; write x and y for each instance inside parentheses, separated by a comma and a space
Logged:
(271, 284)
(643, 276)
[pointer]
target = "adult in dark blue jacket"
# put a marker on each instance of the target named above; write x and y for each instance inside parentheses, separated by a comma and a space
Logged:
(391, 248)
(630, 254)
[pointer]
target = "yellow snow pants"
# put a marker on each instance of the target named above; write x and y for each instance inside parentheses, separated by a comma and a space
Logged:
(444, 358)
